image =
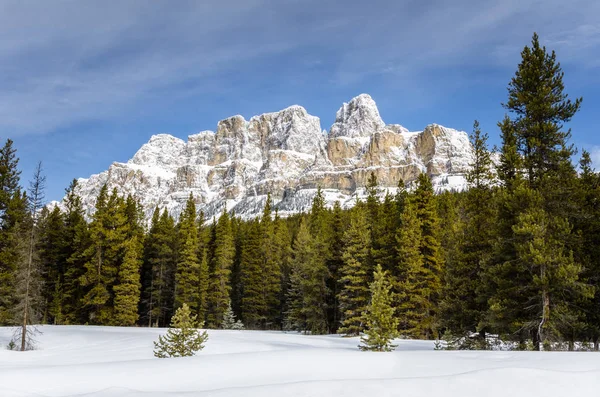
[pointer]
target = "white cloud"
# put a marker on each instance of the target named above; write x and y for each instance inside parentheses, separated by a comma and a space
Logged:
(66, 61)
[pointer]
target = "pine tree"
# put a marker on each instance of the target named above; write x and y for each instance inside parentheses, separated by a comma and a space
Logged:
(385, 249)
(188, 265)
(316, 295)
(203, 285)
(536, 97)
(12, 213)
(254, 304)
(222, 261)
(334, 266)
(229, 321)
(587, 225)
(78, 241)
(107, 233)
(555, 275)
(380, 320)
(53, 246)
(282, 243)
(306, 299)
(183, 339)
(158, 274)
(466, 291)
(127, 289)
(533, 141)
(431, 251)
(28, 277)
(413, 305)
(354, 281)
(271, 265)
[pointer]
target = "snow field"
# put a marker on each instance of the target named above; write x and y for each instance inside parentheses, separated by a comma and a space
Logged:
(118, 362)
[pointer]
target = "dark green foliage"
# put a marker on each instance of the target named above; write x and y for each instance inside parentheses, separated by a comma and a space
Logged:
(379, 318)
(334, 266)
(536, 98)
(53, 245)
(254, 303)
(12, 212)
(412, 303)
(187, 276)
(430, 277)
(127, 288)
(306, 299)
(77, 239)
(107, 233)
(355, 271)
(221, 263)
(158, 270)
(466, 291)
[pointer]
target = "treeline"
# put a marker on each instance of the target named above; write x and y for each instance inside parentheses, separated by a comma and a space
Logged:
(516, 255)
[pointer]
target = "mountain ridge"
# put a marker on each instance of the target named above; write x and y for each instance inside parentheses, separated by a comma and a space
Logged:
(287, 154)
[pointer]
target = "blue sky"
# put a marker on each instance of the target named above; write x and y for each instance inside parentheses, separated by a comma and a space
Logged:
(86, 83)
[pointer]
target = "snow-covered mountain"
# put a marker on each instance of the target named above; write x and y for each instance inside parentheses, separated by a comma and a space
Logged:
(287, 154)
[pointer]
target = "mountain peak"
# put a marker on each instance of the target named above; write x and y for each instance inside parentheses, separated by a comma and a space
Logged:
(161, 149)
(357, 118)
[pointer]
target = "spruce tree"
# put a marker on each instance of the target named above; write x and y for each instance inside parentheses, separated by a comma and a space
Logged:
(158, 270)
(587, 225)
(53, 246)
(354, 281)
(535, 143)
(431, 250)
(466, 291)
(254, 303)
(28, 275)
(203, 285)
(413, 305)
(282, 243)
(107, 233)
(380, 320)
(78, 241)
(229, 321)
(554, 274)
(127, 288)
(334, 265)
(222, 261)
(188, 266)
(536, 97)
(12, 213)
(384, 251)
(306, 299)
(271, 265)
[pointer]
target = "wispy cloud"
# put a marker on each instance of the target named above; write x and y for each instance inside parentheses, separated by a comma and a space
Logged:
(65, 61)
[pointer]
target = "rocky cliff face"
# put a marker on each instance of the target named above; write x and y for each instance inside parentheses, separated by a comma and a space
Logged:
(287, 154)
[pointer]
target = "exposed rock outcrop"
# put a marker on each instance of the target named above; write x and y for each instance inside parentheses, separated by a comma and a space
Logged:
(286, 154)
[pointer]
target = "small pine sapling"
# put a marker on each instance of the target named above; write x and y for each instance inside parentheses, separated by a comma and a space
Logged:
(183, 338)
(229, 321)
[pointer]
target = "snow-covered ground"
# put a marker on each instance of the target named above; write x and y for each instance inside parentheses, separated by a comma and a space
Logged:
(118, 362)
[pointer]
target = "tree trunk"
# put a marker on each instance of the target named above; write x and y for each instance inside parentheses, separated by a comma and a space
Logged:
(535, 337)
(27, 287)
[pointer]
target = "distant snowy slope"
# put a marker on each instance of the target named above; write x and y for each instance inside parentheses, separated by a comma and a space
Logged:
(287, 154)
(118, 362)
